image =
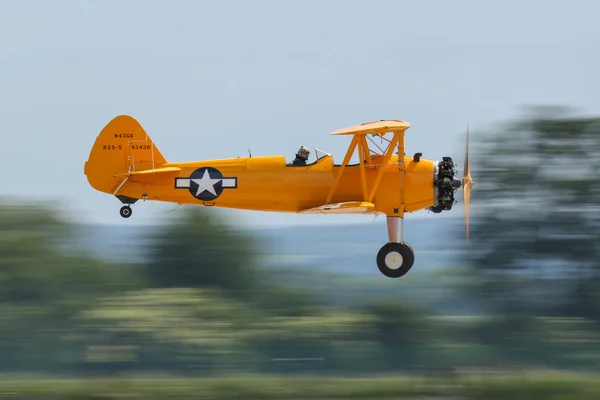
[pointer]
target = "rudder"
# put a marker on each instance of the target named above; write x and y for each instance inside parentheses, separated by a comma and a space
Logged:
(122, 146)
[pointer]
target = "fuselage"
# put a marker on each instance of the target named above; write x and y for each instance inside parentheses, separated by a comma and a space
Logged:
(268, 184)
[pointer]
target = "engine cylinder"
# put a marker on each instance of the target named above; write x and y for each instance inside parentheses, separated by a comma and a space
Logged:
(444, 185)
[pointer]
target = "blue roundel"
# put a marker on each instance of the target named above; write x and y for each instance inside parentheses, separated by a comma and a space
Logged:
(206, 183)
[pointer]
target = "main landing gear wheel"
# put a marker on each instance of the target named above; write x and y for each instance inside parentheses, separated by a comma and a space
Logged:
(125, 211)
(394, 260)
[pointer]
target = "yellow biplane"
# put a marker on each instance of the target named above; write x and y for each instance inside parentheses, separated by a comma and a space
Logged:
(125, 162)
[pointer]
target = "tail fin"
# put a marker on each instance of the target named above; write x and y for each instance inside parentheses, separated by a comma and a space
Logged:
(121, 147)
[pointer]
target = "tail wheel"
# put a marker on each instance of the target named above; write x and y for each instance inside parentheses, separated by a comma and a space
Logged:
(125, 211)
(394, 260)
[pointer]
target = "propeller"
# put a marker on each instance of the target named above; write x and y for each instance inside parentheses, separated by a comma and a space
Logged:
(467, 185)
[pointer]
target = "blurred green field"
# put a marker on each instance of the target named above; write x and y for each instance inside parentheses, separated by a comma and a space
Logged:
(516, 386)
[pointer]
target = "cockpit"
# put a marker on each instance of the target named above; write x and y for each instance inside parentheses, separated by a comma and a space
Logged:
(303, 158)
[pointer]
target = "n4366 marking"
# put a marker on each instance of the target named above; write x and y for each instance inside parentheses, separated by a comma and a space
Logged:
(123, 135)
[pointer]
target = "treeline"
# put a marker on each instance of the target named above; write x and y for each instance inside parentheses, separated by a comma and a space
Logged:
(202, 304)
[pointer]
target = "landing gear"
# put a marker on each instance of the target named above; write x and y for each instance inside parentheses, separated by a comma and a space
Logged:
(125, 211)
(394, 260)
(396, 257)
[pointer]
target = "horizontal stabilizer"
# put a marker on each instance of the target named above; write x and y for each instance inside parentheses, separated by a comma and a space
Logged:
(349, 207)
(150, 171)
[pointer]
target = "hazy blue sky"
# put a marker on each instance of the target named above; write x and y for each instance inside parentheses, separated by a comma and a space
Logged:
(212, 79)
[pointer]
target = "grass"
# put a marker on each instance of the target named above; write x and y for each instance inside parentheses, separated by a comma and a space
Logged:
(530, 386)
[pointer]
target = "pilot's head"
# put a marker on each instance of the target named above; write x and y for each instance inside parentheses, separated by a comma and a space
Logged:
(304, 152)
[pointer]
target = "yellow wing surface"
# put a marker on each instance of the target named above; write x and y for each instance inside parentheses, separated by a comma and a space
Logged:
(350, 207)
(375, 128)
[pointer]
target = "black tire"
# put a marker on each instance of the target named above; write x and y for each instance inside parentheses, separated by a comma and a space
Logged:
(125, 211)
(394, 260)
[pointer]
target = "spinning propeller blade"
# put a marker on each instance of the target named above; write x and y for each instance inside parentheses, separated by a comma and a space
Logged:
(467, 184)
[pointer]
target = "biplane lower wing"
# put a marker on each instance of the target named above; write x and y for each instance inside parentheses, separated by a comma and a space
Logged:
(349, 207)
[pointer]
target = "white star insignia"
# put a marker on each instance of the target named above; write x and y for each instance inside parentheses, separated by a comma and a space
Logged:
(206, 184)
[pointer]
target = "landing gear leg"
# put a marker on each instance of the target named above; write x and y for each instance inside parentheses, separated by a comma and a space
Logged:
(396, 257)
(125, 211)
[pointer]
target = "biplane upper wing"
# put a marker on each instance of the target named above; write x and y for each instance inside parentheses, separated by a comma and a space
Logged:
(374, 127)
(349, 207)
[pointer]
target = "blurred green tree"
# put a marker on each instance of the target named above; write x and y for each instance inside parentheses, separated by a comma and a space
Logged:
(43, 284)
(533, 246)
(201, 250)
(39, 267)
(400, 328)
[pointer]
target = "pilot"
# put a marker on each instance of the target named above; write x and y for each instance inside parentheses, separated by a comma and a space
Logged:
(301, 156)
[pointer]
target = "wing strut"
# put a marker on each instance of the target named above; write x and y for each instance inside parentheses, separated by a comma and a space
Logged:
(362, 150)
(386, 158)
(349, 153)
